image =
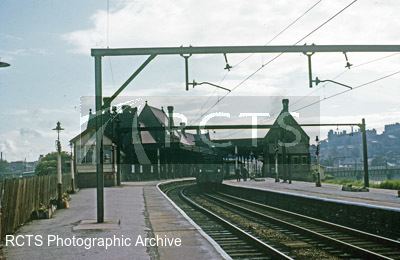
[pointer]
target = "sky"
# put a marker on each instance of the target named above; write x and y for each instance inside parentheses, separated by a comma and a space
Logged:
(48, 44)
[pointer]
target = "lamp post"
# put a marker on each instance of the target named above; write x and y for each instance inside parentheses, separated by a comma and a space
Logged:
(158, 164)
(276, 149)
(59, 176)
(72, 169)
(4, 64)
(318, 182)
(117, 139)
(236, 158)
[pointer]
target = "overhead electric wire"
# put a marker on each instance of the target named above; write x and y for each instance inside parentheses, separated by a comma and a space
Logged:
(209, 97)
(377, 59)
(343, 72)
(111, 70)
(282, 31)
(108, 24)
(323, 86)
(232, 133)
(273, 38)
(297, 42)
(108, 41)
(277, 56)
(347, 90)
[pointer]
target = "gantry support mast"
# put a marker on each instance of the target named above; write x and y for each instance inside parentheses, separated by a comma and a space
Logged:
(185, 52)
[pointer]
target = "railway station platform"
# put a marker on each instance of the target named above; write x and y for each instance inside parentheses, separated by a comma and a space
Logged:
(380, 198)
(133, 210)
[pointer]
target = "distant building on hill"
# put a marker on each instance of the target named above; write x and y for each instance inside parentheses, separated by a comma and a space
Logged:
(343, 149)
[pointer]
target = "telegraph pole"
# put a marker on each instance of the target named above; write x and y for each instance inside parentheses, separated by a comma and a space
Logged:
(365, 153)
(59, 170)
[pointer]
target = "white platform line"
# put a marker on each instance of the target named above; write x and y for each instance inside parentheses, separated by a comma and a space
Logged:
(198, 228)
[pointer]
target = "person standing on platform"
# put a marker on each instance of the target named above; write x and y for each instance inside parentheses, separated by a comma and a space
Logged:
(245, 173)
(237, 174)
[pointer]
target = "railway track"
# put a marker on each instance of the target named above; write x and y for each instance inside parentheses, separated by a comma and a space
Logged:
(236, 242)
(344, 242)
(289, 234)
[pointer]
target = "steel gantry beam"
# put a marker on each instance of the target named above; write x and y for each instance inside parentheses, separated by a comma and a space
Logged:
(232, 127)
(153, 52)
(244, 49)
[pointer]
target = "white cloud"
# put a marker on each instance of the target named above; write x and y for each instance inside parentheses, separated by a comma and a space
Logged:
(167, 22)
(33, 134)
(175, 23)
(10, 37)
(9, 55)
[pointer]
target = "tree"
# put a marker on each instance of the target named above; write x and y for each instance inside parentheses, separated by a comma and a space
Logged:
(48, 164)
(3, 166)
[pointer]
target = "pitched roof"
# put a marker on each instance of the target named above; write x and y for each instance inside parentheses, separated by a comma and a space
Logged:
(161, 119)
(88, 137)
(160, 115)
(284, 122)
(145, 136)
(187, 138)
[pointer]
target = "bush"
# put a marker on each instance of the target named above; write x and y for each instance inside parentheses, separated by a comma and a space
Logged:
(48, 164)
(328, 177)
(345, 182)
(388, 184)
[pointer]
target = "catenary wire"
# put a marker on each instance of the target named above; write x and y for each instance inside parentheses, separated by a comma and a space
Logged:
(282, 31)
(277, 56)
(273, 38)
(337, 94)
(343, 72)
(347, 90)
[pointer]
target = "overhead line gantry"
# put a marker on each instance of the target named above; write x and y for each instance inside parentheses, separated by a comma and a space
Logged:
(185, 52)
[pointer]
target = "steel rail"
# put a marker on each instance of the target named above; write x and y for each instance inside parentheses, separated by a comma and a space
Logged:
(271, 250)
(351, 248)
(352, 231)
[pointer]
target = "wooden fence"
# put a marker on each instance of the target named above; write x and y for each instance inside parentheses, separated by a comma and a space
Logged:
(20, 197)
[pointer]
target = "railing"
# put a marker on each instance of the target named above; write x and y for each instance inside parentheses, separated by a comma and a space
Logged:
(375, 173)
(20, 197)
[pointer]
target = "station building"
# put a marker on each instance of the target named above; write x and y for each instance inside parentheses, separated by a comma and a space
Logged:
(132, 154)
(147, 146)
(287, 142)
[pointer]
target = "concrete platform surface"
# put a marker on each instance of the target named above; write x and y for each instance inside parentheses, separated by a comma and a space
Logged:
(134, 211)
(375, 197)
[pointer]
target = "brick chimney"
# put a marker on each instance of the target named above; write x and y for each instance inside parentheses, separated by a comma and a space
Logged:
(107, 103)
(170, 116)
(285, 103)
(182, 124)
